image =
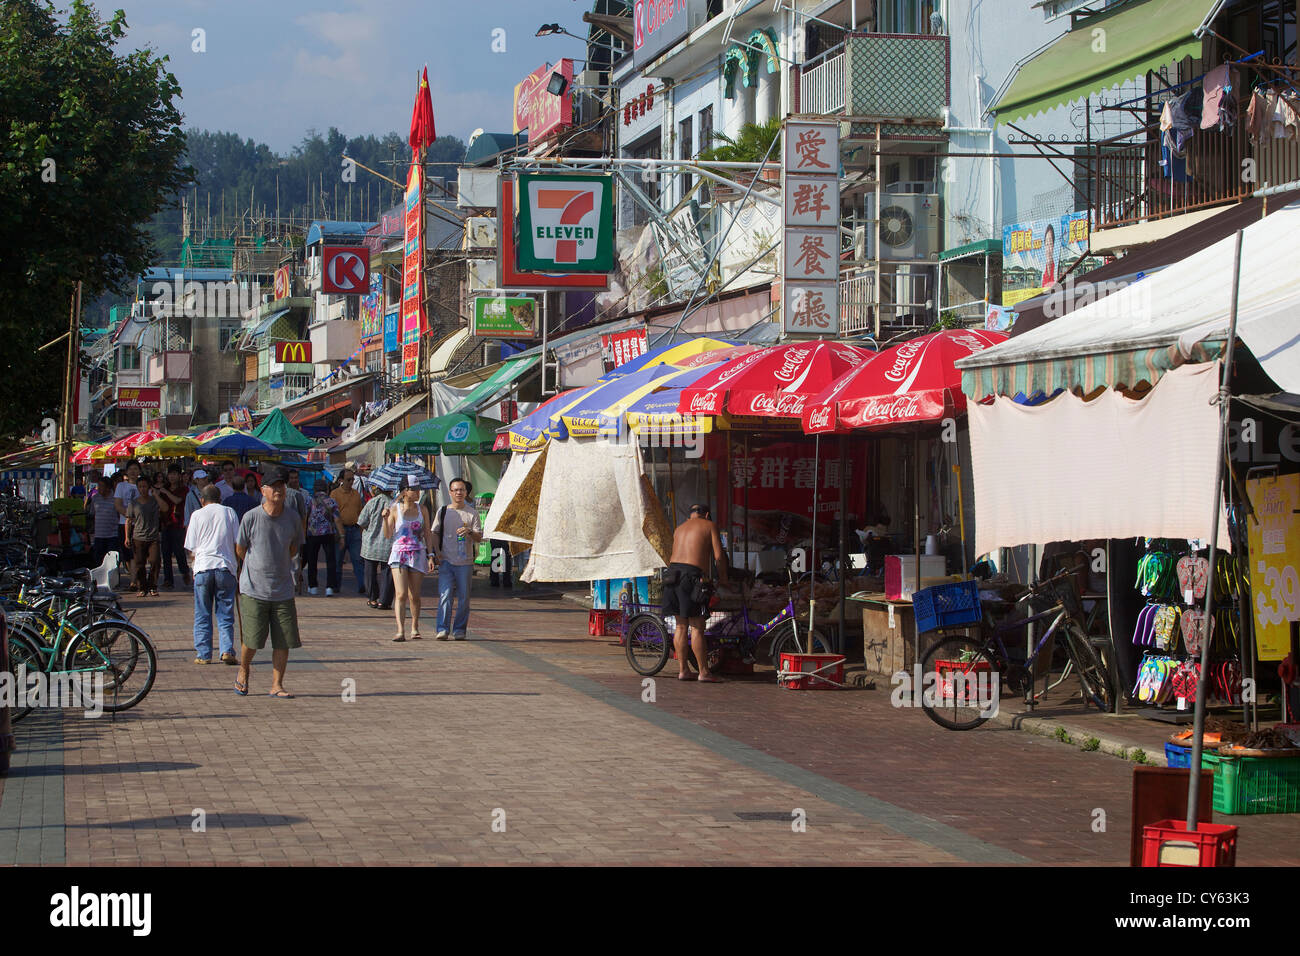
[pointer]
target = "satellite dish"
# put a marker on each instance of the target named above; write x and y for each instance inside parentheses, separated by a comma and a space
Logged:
(473, 136)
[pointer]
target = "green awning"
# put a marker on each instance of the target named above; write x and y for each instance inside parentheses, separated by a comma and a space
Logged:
(1135, 37)
(495, 383)
(981, 247)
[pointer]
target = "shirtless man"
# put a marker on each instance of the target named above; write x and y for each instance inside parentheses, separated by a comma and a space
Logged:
(694, 542)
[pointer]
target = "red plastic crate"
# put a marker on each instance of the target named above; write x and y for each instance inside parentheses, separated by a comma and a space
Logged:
(826, 678)
(1213, 844)
(604, 623)
(945, 686)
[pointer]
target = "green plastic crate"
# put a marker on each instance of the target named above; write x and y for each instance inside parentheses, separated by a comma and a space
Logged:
(1254, 784)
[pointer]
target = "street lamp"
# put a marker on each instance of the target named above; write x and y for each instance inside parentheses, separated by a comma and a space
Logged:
(549, 29)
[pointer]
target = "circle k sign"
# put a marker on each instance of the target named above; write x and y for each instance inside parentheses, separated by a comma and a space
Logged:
(345, 270)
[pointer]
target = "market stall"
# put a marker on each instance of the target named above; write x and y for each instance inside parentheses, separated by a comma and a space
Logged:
(1136, 439)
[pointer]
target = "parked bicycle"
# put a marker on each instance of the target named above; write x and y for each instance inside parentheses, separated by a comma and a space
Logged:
(57, 625)
(648, 641)
(958, 661)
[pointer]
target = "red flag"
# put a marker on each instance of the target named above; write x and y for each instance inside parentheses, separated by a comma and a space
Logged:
(422, 133)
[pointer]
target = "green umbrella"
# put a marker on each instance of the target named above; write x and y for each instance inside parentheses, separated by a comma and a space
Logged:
(448, 435)
(278, 431)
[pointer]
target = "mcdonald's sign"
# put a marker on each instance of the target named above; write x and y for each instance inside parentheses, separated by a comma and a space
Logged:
(298, 353)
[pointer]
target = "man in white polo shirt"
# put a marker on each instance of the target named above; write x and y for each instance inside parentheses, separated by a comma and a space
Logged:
(210, 541)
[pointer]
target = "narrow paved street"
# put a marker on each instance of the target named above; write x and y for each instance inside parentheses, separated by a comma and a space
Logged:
(542, 730)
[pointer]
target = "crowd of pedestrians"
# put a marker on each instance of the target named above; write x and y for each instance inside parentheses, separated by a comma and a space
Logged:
(249, 540)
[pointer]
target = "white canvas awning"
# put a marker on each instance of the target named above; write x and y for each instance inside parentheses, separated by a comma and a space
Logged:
(1115, 467)
(1177, 315)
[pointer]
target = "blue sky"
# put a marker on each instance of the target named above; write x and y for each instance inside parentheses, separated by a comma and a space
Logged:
(273, 69)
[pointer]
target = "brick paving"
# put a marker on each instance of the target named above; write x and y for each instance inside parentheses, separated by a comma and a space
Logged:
(544, 730)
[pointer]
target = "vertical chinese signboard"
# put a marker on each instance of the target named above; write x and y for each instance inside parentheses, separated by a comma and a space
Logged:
(1274, 537)
(811, 238)
(413, 323)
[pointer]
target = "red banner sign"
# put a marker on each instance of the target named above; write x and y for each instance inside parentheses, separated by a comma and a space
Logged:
(139, 398)
(622, 347)
(780, 479)
(294, 352)
(541, 112)
(413, 323)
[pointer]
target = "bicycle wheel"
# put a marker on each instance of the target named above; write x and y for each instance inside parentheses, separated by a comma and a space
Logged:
(24, 659)
(784, 641)
(648, 644)
(1093, 673)
(123, 653)
(964, 676)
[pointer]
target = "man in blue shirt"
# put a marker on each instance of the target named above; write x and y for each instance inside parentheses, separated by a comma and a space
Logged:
(239, 500)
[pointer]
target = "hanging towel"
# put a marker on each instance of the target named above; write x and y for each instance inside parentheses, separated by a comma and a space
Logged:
(1219, 107)
(1255, 115)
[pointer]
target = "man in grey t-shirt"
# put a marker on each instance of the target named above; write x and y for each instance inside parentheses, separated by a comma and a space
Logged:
(267, 544)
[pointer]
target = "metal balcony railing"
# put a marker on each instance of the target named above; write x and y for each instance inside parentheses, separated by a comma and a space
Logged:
(907, 302)
(1129, 184)
(821, 83)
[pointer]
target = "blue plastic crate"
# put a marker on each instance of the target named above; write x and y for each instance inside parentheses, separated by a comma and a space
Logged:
(1178, 756)
(947, 605)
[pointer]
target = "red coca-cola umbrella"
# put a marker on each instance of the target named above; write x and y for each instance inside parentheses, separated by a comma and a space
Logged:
(774, 382)
(913, 382)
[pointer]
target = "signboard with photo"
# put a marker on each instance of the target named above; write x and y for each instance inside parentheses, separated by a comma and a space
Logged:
(505, 317)
(372, 308)
(1036, 254)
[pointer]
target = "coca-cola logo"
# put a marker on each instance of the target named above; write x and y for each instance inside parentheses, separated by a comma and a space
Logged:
(902, 359)
(792, 360)
(971, 343)
(902, 408)
(819, 418)
(704, 402)
(788, 405)
(730, 373)
(852, 358)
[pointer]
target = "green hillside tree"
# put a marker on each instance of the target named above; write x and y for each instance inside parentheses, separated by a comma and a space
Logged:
(91, 148)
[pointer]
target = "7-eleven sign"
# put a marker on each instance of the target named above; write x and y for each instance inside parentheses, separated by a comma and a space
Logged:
(565, 223)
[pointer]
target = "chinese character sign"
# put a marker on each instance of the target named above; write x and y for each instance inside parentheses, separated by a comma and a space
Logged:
(781, 480)
(413, 322)
(812, 148)
(811, 238)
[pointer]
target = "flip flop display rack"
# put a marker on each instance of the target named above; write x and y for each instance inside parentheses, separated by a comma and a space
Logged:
(1173, 577)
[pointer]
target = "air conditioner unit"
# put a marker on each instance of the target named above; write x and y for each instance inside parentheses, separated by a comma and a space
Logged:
(909, 227)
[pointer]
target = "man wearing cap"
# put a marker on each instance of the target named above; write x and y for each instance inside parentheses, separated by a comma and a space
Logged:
(210, 540)
(194, 497)
(268, 541)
